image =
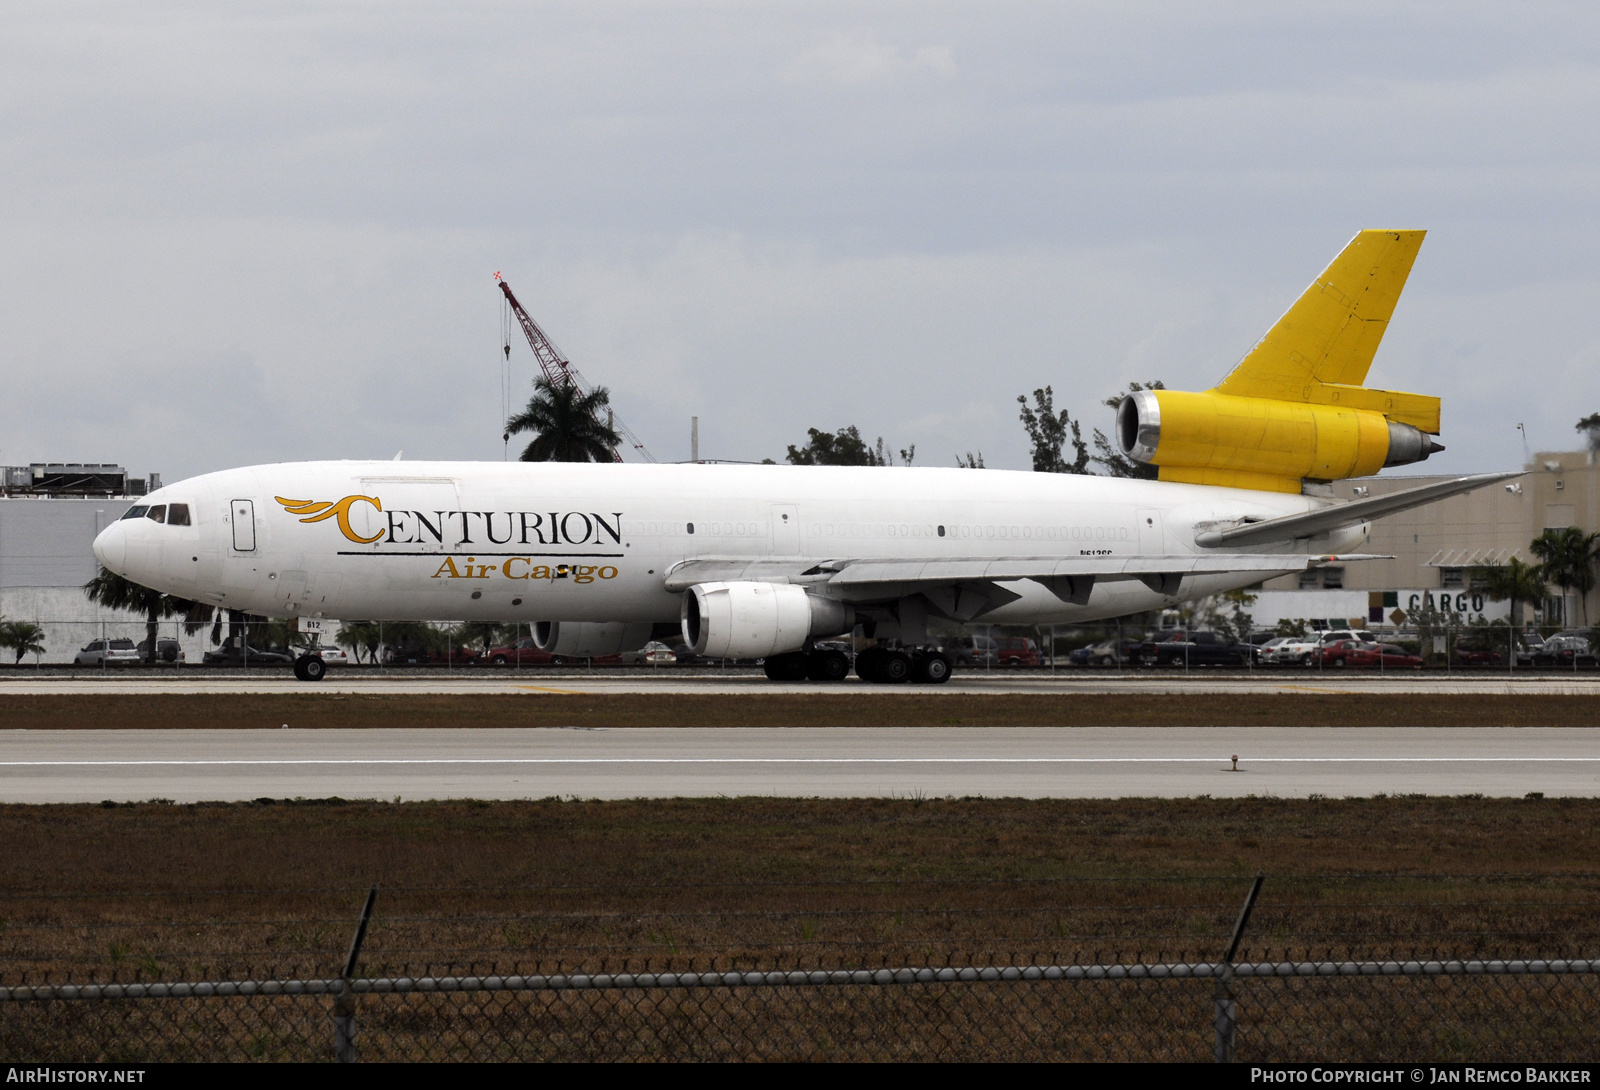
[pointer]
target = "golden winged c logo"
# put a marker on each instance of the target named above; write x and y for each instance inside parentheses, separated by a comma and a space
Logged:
(320, 510)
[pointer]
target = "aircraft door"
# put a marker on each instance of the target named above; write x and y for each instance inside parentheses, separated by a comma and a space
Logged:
(785, 529)
(244, 526)
(1151, 541)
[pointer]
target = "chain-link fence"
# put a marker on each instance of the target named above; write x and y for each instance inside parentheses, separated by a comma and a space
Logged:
(668, 983)
(1272, 1011)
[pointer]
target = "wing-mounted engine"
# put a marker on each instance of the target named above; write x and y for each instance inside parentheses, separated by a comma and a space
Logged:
(1294, 408)
(589, 639)
(753, 620)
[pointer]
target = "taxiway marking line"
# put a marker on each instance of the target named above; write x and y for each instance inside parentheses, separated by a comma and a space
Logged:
(563, 692)
(794, 761)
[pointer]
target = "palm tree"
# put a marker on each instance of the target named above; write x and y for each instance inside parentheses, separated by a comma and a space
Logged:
(1514, 580)
(23, 637)
(112, 591)
(1567, 557)
(567, 424)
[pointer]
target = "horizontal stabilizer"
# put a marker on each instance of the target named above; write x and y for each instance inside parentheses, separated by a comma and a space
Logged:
(1325, 519)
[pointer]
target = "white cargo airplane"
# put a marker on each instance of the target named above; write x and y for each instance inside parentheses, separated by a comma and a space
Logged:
(761, 561)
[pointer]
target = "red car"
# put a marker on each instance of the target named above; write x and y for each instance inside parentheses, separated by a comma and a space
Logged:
(521, 653)
(1386, 655)
(1338, 654)
(1478, 656)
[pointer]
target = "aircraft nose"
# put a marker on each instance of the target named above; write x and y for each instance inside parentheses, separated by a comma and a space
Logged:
(111, 548)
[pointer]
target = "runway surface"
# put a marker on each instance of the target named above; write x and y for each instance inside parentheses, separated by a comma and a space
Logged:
(646, 681)
(196, 765)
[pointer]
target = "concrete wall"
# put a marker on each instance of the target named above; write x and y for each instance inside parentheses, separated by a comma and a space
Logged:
(1488, 526)
(46, 555)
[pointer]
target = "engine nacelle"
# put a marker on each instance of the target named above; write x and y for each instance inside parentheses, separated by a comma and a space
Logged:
(1256, 442)
(588, 639)
(752, 620)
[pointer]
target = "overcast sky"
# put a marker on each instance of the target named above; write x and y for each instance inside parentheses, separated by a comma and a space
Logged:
(236, 233)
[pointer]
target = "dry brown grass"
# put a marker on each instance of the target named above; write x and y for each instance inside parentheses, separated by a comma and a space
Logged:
(247, 711)
(167, 891)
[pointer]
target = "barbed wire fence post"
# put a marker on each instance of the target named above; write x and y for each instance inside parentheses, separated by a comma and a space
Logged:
(344, 1004)
(1225, 1010)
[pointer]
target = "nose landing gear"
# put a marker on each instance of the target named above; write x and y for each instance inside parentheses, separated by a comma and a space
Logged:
(310, 668)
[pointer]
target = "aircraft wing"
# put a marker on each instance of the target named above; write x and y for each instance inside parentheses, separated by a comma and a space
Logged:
(1069, 578)
(1290, 527)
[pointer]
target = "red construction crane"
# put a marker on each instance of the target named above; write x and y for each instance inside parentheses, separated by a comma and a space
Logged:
(558, 369)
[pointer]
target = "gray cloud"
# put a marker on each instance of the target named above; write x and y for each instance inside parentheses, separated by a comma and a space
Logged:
(250, 233)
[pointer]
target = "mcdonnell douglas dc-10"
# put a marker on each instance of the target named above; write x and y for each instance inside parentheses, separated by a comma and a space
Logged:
(763, 561)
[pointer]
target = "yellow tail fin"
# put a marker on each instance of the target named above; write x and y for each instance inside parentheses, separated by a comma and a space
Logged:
(1319, 352)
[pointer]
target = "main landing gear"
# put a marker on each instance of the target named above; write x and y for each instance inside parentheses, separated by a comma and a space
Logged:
(826, 665)
(310, 668)
(886, 666)
(895, 666)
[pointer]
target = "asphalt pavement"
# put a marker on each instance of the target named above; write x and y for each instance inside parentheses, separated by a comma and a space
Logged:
(1106, 762)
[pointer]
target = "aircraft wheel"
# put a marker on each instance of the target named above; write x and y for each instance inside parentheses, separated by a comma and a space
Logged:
(931, 669)
(788, 667)
(868, 663)
(827, 666)
(310, 668)
(895, 668)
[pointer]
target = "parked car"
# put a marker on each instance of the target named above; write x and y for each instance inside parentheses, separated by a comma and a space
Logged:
(1340, 634)
(1386, 655)
(1294, 651)
(230, 654)
(1565, 649)
(521, 653)
(654, 653)
(1015, 651)
(167, 650)
(1337, 653)
(107, 653)
(331, 656)
(1268, 652)
(1106, 652)
(431, 656)
(1179, 647)
(1474, 653)
(1531, 643)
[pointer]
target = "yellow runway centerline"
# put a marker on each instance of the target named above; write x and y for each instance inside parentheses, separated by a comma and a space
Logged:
(545, 689)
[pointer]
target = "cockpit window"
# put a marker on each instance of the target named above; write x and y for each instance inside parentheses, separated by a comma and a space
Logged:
(158, 513)
(177, 514)
(136, 512)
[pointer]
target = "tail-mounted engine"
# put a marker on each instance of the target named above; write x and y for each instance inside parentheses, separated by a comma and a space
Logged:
(1296, 406)
(1254, 442)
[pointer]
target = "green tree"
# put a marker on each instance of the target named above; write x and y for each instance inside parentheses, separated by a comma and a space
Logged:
(1590, 426)
(1514, 581)
(23, 637)
(568, 424)
(1567, 558)
(112, 591)
(970, 460)
(844, 447)
(1048, 431)
(1116, 463)
(360, 636)
(1226, 613)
